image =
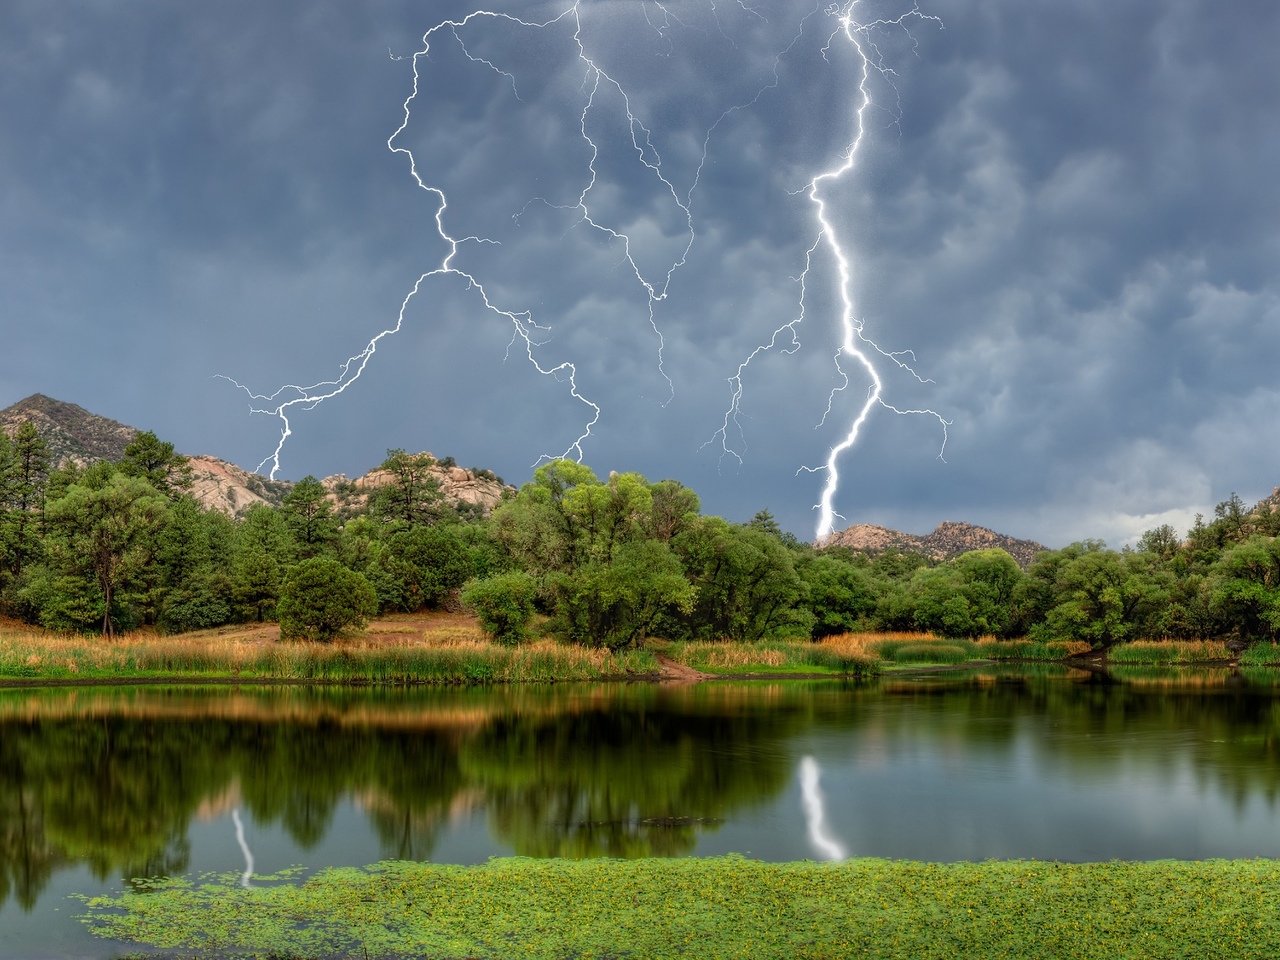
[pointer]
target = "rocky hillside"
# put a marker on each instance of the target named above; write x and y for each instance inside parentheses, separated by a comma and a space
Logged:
(71, 432)
(75, 434)
(950, 539)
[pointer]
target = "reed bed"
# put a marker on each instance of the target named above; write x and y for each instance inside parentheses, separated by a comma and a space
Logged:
(1158, 652)
(992, 649)
(41, 657)
(772, 656)
(1261, 655)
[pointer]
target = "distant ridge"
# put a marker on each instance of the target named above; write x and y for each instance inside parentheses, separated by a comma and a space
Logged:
(73, 433)
(950, 539)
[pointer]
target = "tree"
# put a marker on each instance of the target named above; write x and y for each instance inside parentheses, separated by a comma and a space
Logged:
(24, 489)
(261, 551)
(419, 567)
(842, 596)
(320, 598)
(1107, 597)
(503, 604)
(413, 496)
(193, 568)
(1246, 587)
(746, 582)
(990, 578)
(102, 533)
(616, 604)
(148, 457)
(309, 516)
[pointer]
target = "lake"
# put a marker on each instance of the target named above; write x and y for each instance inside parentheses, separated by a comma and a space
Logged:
(102, 783)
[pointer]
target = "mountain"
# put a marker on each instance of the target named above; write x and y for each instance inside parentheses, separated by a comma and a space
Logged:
(950, 539)
(73, 433)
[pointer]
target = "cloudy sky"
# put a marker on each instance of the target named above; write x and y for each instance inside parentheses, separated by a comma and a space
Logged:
(1068, 213)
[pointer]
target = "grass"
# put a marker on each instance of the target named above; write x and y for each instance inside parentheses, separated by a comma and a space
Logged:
(443, 659)
(1162, 652)
(849, 654)
(719, 908)
(1261, 655)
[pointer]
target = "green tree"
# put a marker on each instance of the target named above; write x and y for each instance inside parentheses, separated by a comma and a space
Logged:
(616, 604)
(990, 579)
(842, 596)
(1246, 587)
(193, 567)
(746, 582)
(320, 598)
(419, 567)
(260, 554)
(503, 604)
(412, 497)
(309, 516)
(153, 460)
(101, 537)
(1107, 597)
(24, 490)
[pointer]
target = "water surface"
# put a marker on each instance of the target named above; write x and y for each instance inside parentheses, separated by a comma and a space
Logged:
(100, 784)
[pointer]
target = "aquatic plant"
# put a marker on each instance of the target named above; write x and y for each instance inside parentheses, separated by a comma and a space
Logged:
(718, 908)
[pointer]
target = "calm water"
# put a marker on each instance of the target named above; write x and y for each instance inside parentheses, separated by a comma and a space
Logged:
(101, 784)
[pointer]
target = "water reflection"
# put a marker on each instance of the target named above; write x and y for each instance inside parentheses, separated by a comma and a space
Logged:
(115, 779)
(815, 812)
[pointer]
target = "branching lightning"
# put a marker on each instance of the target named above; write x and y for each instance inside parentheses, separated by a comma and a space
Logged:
(855, 343)
(857, 354)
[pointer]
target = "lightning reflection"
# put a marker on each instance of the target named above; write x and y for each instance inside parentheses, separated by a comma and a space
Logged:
(827, 846)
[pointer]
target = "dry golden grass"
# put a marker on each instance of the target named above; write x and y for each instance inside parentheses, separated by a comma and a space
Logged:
(430, 648)
(1169, 651)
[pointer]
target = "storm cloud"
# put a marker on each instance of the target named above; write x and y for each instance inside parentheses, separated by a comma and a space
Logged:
(1068, 213)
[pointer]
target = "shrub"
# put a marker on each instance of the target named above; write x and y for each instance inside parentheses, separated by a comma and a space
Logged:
(321, 598)
(503, 604)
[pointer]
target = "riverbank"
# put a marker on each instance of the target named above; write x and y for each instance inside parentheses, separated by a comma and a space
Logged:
(438, 649)
(450, 648)
(719, 908)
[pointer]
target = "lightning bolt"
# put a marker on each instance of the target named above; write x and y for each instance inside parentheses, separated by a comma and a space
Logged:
(855, 343)
(601, 91)
(285, 400)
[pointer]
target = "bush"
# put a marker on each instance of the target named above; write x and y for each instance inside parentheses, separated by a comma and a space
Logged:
(321, 598)
(503, 604)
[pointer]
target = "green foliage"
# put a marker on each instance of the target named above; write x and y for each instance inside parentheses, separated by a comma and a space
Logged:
(503, 603)
(154, 461)
(616, 604)
(101, 537)
(320, 599)
(261, 551)
(413, 496)
(721, 908)
(308, 514)
(420, 567)
(746, 582)
(842, 597)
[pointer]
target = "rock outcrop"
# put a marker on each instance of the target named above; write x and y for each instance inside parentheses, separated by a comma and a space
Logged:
(950, 539)
(478, 488)
(73, 433)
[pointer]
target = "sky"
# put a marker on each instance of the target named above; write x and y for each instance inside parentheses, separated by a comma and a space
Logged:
(1060, 225)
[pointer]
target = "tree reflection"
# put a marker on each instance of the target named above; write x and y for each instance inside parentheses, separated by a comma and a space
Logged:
(112, 779)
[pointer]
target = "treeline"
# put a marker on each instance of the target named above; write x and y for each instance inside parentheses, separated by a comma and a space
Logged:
(121, 545)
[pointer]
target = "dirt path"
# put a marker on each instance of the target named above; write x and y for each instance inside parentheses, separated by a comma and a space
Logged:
(673, 672)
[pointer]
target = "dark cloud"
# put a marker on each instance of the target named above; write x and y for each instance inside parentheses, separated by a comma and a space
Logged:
(1068, 213)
